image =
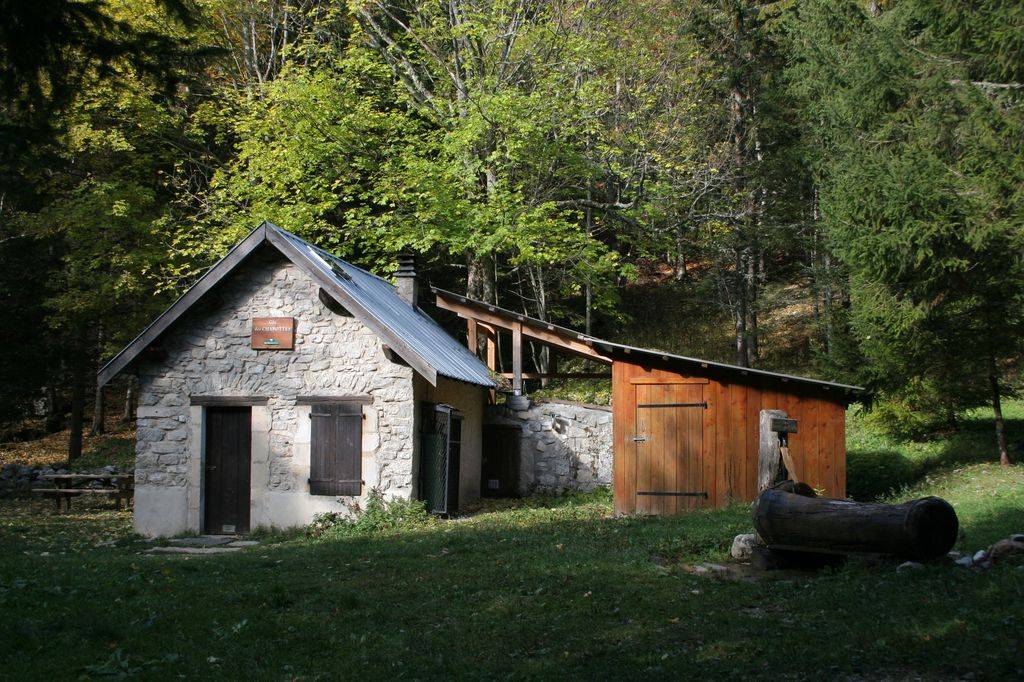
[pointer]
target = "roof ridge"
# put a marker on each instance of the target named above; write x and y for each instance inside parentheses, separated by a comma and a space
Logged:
(417, 338)
(324, 251)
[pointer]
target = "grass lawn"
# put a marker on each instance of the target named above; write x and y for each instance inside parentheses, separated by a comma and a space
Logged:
(542, 588)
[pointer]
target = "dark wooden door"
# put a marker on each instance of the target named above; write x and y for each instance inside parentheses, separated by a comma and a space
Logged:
(499, 467)
(228, 457)
(669, 444)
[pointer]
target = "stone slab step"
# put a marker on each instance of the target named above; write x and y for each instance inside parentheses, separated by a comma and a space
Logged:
(193, 550)
(203, 541)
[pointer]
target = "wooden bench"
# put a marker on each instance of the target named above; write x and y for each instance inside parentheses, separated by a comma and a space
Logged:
(117, 486)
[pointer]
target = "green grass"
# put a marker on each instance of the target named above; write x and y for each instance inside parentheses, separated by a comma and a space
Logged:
(117, 449)
(547, 587)
(878, 465)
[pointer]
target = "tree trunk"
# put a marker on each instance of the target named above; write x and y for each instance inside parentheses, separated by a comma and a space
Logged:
(480, 277)
(588, 292)
(481, 273)
(98, 411)
(997, 410)
(740, 305)
(828, 302)
(77, 413)
(680, 265)
(539, 351)
(54, 411)
(588, 323)
(921, 529)
(129, 401)
(752, 293)
(99, 405)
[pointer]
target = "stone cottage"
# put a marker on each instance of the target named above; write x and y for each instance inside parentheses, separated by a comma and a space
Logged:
(287, 382)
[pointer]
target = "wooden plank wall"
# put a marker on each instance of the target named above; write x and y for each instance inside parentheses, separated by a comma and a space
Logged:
(729, 460)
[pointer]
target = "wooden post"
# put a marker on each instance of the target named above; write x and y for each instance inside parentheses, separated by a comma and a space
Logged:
(492, 360)
(769, 453)
(471, 340)
(517, 358)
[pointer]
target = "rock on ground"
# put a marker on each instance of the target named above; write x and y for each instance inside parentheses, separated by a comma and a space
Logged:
(743, 546)
(1005, 550)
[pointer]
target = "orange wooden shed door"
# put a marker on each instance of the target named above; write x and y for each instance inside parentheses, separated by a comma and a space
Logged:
(669, 443)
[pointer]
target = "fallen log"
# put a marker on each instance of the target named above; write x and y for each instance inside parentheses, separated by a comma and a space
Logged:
(921, 529)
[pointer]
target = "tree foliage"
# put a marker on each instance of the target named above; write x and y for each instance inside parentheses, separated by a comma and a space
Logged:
(920, 190)
(548, 156)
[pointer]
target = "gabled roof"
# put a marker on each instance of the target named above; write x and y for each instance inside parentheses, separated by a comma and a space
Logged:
(572, 340)
(407, 331)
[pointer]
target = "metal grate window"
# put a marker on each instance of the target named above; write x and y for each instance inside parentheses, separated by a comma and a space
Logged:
(440, 457)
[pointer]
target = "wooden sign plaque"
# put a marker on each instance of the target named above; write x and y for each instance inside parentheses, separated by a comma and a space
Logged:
(273, 333)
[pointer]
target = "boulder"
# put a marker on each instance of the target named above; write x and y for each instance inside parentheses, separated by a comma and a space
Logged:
(1006, 550)
(743, 546)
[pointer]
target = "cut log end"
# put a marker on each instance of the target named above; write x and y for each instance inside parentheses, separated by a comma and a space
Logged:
(932, 526)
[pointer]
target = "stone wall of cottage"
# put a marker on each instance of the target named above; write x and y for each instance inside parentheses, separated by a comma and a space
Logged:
(563, 445)
(208, 353)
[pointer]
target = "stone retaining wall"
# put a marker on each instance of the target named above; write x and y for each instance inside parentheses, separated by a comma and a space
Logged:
(563, 445)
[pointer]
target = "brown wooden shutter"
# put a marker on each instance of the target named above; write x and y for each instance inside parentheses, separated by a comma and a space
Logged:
(335, 458)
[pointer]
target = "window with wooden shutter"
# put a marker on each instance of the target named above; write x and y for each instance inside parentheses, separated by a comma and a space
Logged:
(335, 458)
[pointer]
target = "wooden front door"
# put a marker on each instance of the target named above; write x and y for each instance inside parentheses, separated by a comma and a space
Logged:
(669, 445)
(228, 456)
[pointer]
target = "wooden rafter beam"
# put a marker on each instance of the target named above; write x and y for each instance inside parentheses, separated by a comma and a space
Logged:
(537, 330)
(561, 375)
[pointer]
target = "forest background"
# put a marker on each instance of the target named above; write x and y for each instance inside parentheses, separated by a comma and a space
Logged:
(827, 187)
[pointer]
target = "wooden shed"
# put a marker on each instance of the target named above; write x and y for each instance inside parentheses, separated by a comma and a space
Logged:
(685, 430)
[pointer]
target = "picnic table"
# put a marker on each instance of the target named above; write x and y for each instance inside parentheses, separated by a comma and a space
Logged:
(120, 487)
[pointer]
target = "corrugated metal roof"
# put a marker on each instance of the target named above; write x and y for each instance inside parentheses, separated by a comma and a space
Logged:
(446, 355)
(670, 357)
(613, 348)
